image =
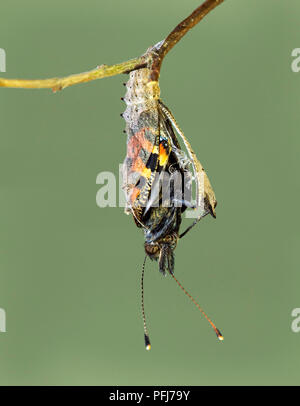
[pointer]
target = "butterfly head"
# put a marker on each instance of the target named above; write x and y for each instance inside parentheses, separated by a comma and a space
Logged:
(163, 252)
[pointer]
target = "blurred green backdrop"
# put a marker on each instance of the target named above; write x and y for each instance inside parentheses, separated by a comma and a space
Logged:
(69, 271)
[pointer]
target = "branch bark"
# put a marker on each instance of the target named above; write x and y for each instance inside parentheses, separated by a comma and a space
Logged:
(180, 31)
(56, 84)
(153, 58)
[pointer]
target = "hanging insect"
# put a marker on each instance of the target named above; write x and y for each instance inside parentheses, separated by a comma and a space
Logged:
(153, 155)
(158, 174)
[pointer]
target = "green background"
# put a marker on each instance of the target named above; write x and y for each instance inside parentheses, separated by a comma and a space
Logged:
(70, 271)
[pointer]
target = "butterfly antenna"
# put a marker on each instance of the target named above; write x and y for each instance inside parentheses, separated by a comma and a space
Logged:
(146, 334)
(217, 331)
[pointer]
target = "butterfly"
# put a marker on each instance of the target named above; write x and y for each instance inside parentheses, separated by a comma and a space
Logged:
(158, 177)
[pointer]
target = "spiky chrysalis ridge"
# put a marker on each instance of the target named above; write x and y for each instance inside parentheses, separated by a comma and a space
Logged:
(141, 116)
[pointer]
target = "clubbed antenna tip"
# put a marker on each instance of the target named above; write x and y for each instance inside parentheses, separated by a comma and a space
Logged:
(147, 342)
(219, 335)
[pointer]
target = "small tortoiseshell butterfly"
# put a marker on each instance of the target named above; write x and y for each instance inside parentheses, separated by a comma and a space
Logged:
(158, 176)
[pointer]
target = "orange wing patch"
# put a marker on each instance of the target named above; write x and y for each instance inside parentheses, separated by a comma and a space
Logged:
(163, 155)
(137, 142)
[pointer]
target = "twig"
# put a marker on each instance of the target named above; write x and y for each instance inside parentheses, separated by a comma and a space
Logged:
(179, 32)
(55, 84)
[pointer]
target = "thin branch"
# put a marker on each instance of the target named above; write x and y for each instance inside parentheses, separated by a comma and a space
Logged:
(180, 31)
(153, 58)
(55, 84)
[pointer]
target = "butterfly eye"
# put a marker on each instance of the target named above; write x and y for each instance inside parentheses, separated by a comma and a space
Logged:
(152, 250)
